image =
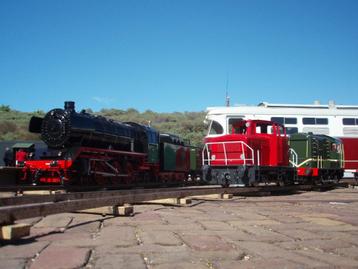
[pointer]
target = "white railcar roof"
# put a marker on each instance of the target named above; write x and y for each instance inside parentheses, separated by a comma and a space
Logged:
(265, 108)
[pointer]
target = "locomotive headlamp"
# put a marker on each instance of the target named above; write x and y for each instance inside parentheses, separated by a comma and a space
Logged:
(54, 163)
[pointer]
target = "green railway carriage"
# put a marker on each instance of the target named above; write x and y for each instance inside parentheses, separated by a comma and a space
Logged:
(178, 158)
(317, 157)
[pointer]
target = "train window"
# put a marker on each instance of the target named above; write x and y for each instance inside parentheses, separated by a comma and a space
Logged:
(316, 130)
(215, 128)
(308, 121)
(349, 121)
(282, 120)
(279, 120)
(236, 126)
(314, 121)
(334, 147)
(263, 129)
(290, 120)
(322, 121)
(291, 130)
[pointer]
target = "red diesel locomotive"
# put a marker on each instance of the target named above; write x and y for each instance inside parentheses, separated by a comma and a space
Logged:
(252, 152)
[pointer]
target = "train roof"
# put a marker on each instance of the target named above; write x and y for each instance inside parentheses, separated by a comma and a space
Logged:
(266, 108)
(319, 136)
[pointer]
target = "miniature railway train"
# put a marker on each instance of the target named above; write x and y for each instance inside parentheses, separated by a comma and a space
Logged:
(259, 151)
(87, 149)
(91, 150)
(339, 121)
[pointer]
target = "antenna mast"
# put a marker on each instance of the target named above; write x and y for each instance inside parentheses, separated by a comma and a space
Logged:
(227, 98)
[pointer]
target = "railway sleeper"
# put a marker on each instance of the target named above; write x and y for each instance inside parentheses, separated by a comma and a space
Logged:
(14, 231)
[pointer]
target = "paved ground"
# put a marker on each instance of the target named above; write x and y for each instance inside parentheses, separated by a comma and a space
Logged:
(307, 230)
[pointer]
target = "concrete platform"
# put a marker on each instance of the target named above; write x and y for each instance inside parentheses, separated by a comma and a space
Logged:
(306, 230)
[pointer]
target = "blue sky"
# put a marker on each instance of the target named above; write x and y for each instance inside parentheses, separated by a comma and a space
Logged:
(176, 55)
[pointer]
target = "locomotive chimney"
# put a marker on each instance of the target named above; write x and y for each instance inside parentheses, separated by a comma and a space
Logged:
(70, 105)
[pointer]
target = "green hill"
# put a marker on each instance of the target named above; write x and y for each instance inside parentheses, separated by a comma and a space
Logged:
(189, 125)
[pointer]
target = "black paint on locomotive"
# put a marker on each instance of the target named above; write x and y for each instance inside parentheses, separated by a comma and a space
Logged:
(62, 128)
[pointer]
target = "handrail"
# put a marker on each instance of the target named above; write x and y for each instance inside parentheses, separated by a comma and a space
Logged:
(319, 161)
(294, 156)
(207, 161)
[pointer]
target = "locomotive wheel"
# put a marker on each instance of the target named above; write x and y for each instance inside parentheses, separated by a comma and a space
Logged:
(130, 173)
(281, 183)
(36, 177)
(254, 183)
(318, 180)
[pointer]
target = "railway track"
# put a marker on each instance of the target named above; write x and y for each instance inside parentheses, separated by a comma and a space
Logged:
(29, 206)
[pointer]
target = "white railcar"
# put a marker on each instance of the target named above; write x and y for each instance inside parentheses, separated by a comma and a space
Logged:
(339, 121)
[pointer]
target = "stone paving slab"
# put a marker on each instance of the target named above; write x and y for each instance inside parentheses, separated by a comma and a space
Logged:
(12, 263)
(56, 257)
(123, 237)
(162, 238)
(21, 250)
(120, 261)
(303, 230)
(56, 221)
(258, 263)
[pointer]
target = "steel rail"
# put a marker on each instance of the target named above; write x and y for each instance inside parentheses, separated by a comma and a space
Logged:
(45, 205)
(58, 197)
(23, 187)
(9, 214)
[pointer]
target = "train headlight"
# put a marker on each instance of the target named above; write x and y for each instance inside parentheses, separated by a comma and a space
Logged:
(53, 163)
(213, 157)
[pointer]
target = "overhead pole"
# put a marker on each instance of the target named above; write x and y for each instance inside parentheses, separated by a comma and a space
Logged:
(227, 97)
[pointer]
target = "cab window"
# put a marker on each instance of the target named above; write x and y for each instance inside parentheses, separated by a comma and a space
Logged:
(215, 128)
(236, 126)
(263, 129)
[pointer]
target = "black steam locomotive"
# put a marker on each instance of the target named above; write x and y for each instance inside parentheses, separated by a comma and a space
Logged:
(95, 149)
(63, 128)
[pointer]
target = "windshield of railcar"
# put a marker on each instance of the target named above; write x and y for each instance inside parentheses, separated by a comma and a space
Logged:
(215, 128)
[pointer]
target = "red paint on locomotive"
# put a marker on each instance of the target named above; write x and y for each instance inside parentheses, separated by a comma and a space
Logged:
(252, 142)
(350, 153)
(307, 172)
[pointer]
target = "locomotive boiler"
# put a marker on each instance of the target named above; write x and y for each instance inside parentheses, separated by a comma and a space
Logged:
(62, 128)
